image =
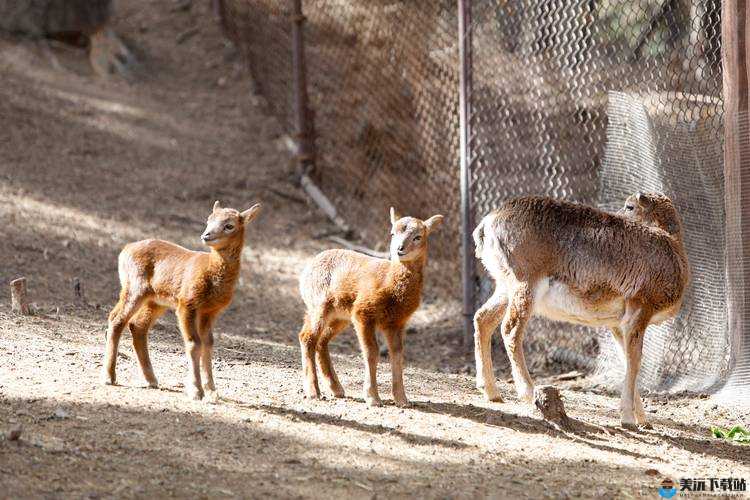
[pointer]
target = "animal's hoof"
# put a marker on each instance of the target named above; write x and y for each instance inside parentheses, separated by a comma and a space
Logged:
(212, 396)
(402, 403)
(338, 394)
(373, 401)
(107, 380)
(312, 395)
(631, 426)
(645, 426)
(493, 396)
(194, 393)
(153, 384)
(527, 395)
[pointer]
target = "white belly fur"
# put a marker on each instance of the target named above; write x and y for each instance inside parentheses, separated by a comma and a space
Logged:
(555, 300)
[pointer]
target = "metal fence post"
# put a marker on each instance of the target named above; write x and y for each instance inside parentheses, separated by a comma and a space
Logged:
(467, 268)
(302, 118)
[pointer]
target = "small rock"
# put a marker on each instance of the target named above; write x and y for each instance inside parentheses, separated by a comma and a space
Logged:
(15, 433)
(651, 472)
(222, 82)
(60, 414)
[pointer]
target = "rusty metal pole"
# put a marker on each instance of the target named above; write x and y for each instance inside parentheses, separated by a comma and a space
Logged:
(735, 55)
(302, 117)
(467, 269)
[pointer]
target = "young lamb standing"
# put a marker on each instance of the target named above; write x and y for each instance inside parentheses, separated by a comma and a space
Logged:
(156, 275)
(342, 286)
(581, 265)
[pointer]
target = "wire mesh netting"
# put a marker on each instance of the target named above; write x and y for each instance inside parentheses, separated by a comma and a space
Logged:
(588, 100)
(649, 148)
(383, 88)
(383, 81)
(261, 31)
(607, 98)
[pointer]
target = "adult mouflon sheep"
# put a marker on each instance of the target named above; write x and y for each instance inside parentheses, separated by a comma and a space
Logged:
(578, 264)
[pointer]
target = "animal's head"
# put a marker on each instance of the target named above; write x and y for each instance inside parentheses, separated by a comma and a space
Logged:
(409, 235)
(226, 225)
(653, 209)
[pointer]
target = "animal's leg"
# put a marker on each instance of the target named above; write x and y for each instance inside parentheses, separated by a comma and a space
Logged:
(517, 315)
(640, 413)
(486, 320)
(205, 331)
(366, 334)
(126, 307)
(395, 341)
(308, 339)
(139, 325)
(187, 318)
(324, 357)
(633, 327)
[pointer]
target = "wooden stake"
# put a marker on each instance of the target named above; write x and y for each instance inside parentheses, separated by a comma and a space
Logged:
(78, 288)
(19, 300)
(547, 400)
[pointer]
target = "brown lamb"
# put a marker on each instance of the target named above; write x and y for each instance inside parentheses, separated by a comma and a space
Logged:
(342, 286)
(574, 263)
(156, 275)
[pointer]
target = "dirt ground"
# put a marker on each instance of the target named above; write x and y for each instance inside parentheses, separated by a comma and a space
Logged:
(87, 165)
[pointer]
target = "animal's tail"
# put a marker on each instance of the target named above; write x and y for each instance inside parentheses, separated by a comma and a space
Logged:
(478, 236)
(488, 235)
(485, 235)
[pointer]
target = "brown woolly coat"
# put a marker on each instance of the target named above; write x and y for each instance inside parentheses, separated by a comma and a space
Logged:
(385, 293)
(175, 276)
(598, 256)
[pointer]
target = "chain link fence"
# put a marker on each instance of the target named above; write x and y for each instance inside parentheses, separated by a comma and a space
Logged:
(594, 85)
(588, 100)
(383, 92)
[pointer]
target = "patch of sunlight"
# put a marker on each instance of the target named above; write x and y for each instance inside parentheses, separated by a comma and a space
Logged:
(243, 339)
(101, 104)
(118, 108)
(282, 258)
(127, 131)
(46, 217)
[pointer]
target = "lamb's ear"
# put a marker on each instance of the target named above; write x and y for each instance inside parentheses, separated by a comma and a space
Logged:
(433, 223)
(217, 205)
(250, 213)
(394, 216)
